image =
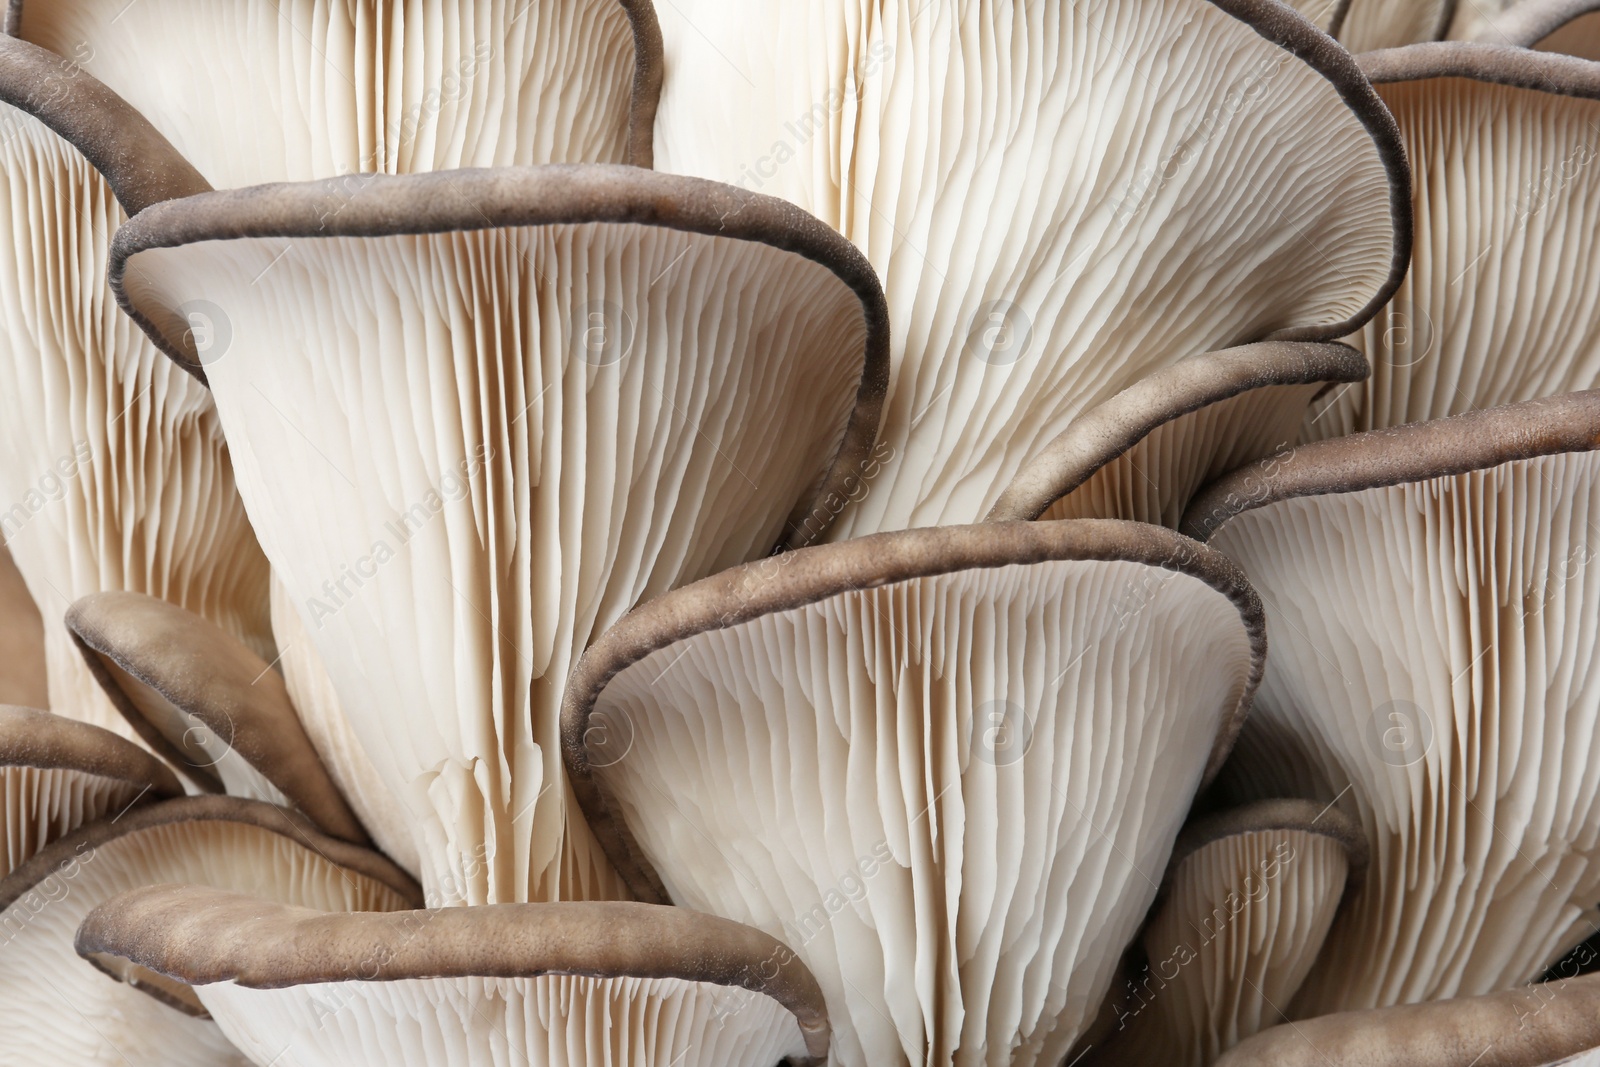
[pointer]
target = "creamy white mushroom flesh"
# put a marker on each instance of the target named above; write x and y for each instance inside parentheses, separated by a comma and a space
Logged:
(1248, 899)
(556, 400)
(1432, 611)
(557, 985)
(212, 706)
(1112, 210)
(116, 473)
(57, 774)
(1371, 24)
(303, 89)
(316, 703)
(1498, 307)
(912, 734)
(22, 679)
(1553, 1025)
(61, 1010)
(1143, 454)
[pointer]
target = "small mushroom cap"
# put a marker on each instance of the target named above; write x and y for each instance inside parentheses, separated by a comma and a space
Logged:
(200, 936)
(1089, 269)
(1530, 1026)
(30, 737)
(920, 720)
(199, 694)
(1144, 453)
(226, 842)
(291, 90)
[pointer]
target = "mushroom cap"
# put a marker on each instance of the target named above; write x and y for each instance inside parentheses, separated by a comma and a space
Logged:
(684, 987)
(116, 471)
(204, 700)
(1143, 454)
(57, 774)
(22, 679)
(226, 842)
(908, 732)
(1531, 1026)
(1114, 211)
(266, 90)
(500, 469)
(1431, 612)
(1248, 899)
(1498, 305)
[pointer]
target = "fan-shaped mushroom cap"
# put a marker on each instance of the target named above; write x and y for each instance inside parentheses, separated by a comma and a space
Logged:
(481, 415)
(911, 735)
(204, 700)
(1432, 611)
(347, 763)
(1533, 1026)
(1114, 211)
(57, 774)
(116, 474)
(564, 985)
(60, 1010)
(1145, 452)
(289, 90)
(1499, 306)
(1249, 896)
(1571, 27)
(22, 679)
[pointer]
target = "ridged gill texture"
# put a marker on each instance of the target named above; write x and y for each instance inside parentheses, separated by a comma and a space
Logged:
(502, 440)
(1499, 305)
(113, 470)
(951, 796)
(1056, 197)
(552, 1021)
(260, 90)
(40, 804)
(1434, 668)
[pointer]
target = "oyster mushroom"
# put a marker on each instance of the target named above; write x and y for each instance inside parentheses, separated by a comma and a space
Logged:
(1571, 27)
(911, 733)
(59, 1010)
(213, 708)
(1248, 899)
(1498, 307)
(1431, 607)
(516, 402)
(290, 90)
(57, 774)
(563, 985)
(1051, 224)
(116, 473)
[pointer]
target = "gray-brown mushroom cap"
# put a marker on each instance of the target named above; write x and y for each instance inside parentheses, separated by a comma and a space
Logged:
(139, 164)
(33, 738)
(1408, 453)
(1529, 22)
(1524, 1027)
(1288, 813)
(1497, 63)
(1108, 431)
(809, 575)
(214, 693)
(200, 936)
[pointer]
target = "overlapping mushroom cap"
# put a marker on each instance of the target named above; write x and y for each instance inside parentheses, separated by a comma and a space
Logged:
(289, 90)
(1051, 223)
(115, 474)
(949, 764)
(564, 985)
(1432, 612)
(517, 402)
(1499, 305)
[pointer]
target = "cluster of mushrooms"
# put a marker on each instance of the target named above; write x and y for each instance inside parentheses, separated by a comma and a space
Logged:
(721, 533)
